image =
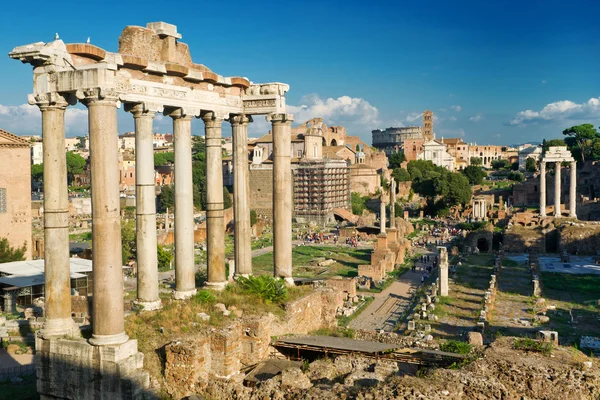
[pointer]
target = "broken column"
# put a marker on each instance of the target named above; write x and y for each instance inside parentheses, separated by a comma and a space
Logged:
(56, 218)
(215, 222)
(185, 282)
(443, 266)
(282, 195)
(147, 259)
(241, 196)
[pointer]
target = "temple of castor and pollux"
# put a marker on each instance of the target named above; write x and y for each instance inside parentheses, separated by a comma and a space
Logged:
(151, 73)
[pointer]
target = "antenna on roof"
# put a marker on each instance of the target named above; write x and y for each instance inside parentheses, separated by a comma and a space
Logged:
(56, 36)
(88, 40)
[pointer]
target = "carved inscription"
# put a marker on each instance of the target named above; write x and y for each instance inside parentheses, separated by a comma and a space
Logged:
(131, 88)
(169, 93)
(260, 103)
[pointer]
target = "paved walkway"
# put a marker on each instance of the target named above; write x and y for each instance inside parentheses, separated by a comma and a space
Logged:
(388, 306)
(13, 360)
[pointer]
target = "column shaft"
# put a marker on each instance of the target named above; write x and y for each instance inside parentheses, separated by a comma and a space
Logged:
(215, 222)
(543, 188)
(241, 196)
(573, 191)
(147, 263)
(382, 214)
(108, 313)
(56, 220)
(393, 205)
(282, 195)
(557, 168)
(185, 282)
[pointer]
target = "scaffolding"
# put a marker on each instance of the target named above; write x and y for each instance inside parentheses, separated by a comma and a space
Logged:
(319, 187)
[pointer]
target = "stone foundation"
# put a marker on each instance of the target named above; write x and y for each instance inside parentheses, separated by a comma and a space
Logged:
(74, 369)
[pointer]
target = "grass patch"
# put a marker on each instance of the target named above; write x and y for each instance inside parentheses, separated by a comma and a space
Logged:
(582, 287)
(335, 332)
(509, 263)
(456, 346)
(25, 390)
(527, 344)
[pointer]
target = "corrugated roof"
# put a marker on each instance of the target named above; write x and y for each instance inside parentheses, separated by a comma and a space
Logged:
(31, 272)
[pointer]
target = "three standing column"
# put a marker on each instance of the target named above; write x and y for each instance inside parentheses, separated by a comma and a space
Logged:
(185, 280)
(215, 222)
(557, 168)
(57, 264)
(572, 191)
(282, 195)
(147, 262)
(241, 195)
(108, 326)
(542, 189)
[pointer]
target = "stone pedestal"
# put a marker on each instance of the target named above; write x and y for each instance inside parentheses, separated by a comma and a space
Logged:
(73, 369)
(382, 241)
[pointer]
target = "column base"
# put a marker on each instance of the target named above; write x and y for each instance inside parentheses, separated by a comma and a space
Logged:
(74, 369)
(243, 275)
(109, 340)
(184, 294)
(289, 281)
(59, 327)
(218, 286)
(148, 305)
(573, 215)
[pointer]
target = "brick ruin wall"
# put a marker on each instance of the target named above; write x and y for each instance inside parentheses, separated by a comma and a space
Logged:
(580, 238)
(222, 352)
(261, 192)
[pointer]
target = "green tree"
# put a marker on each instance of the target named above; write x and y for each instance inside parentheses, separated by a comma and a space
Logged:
(358, 203)
(581, 137)
(500, 164)
(198, 148)
(166, 198)
(552, 142)
(37, 173)
(514, 166)
(515, 176)
(401, 175)
(476, 161)
(128, 250)
(474, 174)
(396, 159)
(530, 165)
(164, 258)
(161, 159)
(459, 190)
(75, 165)
(253, 218)
(227, 203)
(8, 253)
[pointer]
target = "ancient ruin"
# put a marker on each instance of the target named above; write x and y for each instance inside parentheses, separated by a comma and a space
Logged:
(152, 72)
(558, 155)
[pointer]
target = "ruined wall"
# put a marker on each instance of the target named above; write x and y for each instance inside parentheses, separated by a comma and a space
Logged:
(474, 237)
(261, 191)
(519, 239)
(581, 238)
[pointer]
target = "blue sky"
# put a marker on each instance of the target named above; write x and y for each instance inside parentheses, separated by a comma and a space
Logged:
(500, 73)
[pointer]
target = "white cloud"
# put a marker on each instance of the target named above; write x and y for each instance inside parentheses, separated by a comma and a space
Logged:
(452, 118)
(414, 116)
(543, 82)
(456, 108)
(476, 118)
(344, 110)
(560, 110)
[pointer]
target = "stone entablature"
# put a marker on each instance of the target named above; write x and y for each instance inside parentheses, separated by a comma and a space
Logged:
(150, 68)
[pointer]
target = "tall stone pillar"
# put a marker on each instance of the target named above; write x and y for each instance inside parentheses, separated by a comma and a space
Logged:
(393, 205)
(282, 195)
(573, 191)
(557, 190)
(57, 277)
(381, 213)
(108, 314)
(542, 188)
(443, 265)
(215, 222)
(241, 195)
(185, 282)
(147, 262)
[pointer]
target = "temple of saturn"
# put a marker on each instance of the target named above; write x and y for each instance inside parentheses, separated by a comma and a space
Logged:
(558, 155)
(152, 72)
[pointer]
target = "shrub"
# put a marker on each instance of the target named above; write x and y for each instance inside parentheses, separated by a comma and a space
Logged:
(203, 297)
(455, 346)
(266, 287)
(528, 344)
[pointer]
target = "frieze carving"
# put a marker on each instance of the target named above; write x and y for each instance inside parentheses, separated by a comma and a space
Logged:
(278, 89)
(260, 103)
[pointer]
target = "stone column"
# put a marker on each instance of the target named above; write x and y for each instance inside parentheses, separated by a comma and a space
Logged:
(557, 168)
(381, 213)
(145, 194)
(543, 188)
(443, 266)
(185, 282)
(57, 266)
(282, 195)
(393, 205)
(573, 191)
(215, 223)
(241, 195)
(108, 314)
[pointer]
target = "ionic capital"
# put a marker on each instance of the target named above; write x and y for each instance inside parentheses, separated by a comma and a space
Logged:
(239, 119)
(49, 100)
(98, 95)
(181, 112)
(280, 118)
(143, 109)
(213, 119)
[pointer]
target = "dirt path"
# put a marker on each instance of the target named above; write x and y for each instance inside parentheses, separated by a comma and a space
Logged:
(388, 306)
